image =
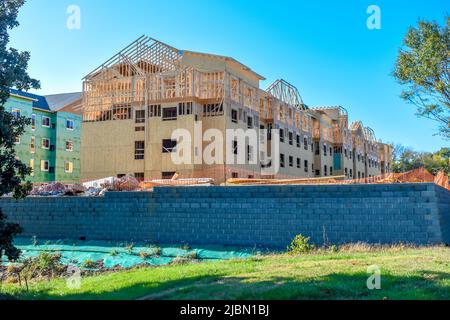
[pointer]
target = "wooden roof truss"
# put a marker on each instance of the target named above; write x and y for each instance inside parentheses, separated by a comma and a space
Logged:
(286, 92)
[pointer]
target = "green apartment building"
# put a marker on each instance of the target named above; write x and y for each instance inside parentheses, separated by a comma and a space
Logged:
(51, 144)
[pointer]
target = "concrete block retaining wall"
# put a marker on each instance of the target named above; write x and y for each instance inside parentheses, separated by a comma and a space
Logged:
(265, 216)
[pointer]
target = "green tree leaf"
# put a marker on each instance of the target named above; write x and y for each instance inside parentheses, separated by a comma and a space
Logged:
(13, 74)
(423, 68)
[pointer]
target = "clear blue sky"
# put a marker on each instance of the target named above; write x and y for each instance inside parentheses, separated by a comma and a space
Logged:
(322, 47)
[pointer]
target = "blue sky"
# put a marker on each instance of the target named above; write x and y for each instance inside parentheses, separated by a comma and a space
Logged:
(322, 47)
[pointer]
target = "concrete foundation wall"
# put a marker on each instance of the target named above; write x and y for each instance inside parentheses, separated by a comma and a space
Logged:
(266, 216)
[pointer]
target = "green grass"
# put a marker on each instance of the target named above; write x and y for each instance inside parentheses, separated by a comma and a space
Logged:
(422, 273)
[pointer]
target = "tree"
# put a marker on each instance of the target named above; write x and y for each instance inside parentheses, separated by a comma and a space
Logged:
(13, 74)
(7, 233)
(406, 159)
(423, 66)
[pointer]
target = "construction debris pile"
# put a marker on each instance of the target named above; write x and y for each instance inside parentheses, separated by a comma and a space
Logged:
(420, 175)
(129, 183)
(57, 189)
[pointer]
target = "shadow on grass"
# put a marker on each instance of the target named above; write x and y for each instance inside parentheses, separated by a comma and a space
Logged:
(424, 285)
(4, 296)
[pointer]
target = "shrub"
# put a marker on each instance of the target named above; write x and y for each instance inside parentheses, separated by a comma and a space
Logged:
(47, 261)
(334, 248)
(192, 255)
(144, 255)
(129, 248)
(46, 265)
(89, 264)
(179, 261)
(300, 245)
(157, 251)
(186, 247)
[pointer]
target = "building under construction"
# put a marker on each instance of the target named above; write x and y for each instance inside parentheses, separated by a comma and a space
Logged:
(135, 101)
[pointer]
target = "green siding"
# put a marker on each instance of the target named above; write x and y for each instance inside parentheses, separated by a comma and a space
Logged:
(62, 156)
(57, 133)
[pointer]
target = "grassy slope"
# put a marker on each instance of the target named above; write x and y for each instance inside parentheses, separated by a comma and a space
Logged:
(406, 274)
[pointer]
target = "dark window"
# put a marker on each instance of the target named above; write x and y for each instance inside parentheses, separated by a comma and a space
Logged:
(324, 150)
(306, 165)
(305, 143)
(139, 129)
(249, 153)
(234, 116)
(291, 161)
(331, 151)
(299, 163)
(184, 108)
(121, 112)
(140, 116)
(291, 138)
(317, 173)
(317, 148)
(331, 171)
(235, 175)
(249, 122)
(45, 144)
(139, 176)
(16, 113)
(325, 170)
(210, 110)
(169, 114)
(235, 147)
(154, 110)
(139, 150)
(281, 160)
(70, 125)
(46, 122)
(281, 135)
(169, 146)
(299, 143)
(167, 175)
(269, 131)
